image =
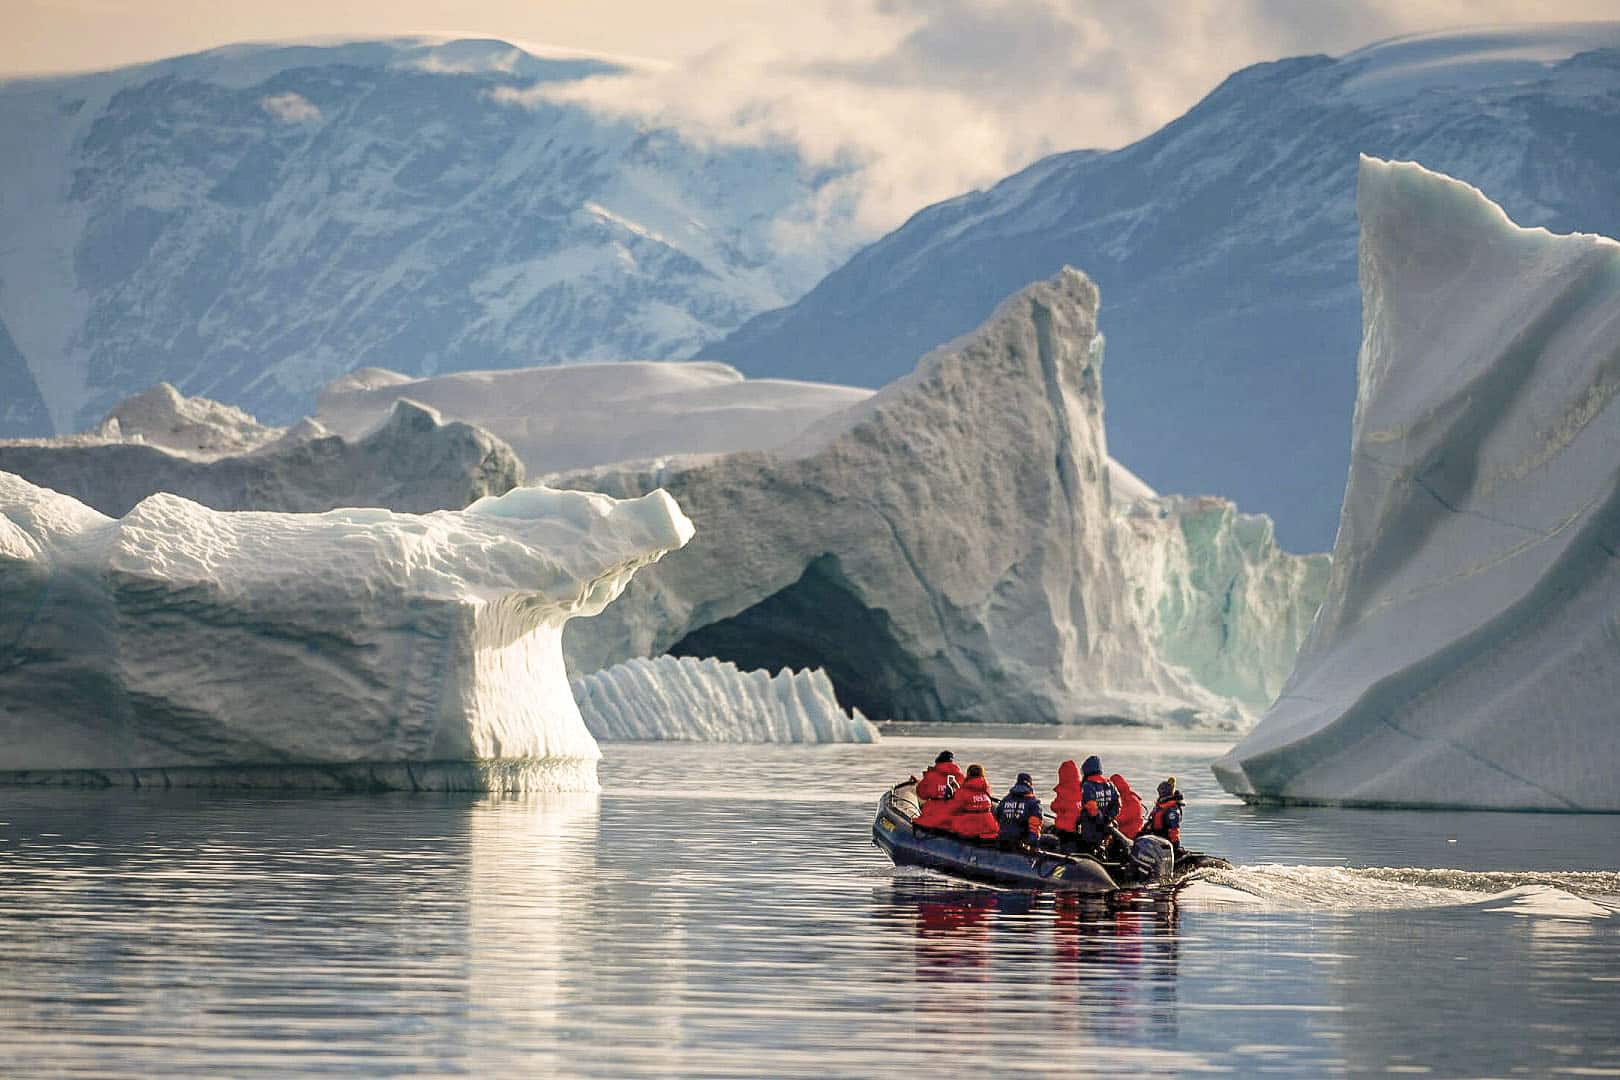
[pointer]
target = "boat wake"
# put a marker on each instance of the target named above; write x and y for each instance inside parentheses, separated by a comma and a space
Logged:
(1557, 894)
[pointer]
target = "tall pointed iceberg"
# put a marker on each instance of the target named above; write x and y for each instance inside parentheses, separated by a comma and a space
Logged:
(1468, 651)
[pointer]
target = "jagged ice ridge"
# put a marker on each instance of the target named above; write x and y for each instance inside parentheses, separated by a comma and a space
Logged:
(708, 700)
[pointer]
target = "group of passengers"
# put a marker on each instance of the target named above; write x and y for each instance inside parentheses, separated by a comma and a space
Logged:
(1088, 809)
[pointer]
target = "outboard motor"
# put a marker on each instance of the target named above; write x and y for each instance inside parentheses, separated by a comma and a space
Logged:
(1153, 858)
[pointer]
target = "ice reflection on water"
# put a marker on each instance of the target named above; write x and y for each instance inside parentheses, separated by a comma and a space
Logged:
(720, 911)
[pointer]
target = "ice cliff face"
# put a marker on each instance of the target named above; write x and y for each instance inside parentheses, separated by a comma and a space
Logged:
(216, 455)
(1220, 598)
(251, 222)
(946, 549)
(592, 414)
(1468, 651)
(709, 700)
(179, 645)
(1225, 244)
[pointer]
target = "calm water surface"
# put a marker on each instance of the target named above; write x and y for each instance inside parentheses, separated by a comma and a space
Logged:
(720, 911)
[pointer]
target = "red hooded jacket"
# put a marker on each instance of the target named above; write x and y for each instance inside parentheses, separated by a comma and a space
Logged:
(933, 784)
(934, 792)
(1066, 804)
(973, 811)
(1130, 808)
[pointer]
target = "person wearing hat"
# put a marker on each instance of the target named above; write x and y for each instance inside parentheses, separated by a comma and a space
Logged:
(1099, 806)
(1018, 815)
(935, 789)
(1165, 820)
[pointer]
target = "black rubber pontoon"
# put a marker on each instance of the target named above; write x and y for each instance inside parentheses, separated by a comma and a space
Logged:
(992, 865)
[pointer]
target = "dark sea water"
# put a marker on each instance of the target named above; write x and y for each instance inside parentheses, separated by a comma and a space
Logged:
(721, 911)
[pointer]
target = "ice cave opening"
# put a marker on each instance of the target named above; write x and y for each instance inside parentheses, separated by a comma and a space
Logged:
(821, 621)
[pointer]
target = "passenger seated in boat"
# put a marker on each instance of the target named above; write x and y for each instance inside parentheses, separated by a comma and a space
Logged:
(972, 813)
(1099, 807)
(1019, 815)
(1130, 807)
(935, 789)
(1165, 820)
(1066, 807)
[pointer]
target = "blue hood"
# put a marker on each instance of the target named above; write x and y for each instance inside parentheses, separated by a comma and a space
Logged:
(1093, 764)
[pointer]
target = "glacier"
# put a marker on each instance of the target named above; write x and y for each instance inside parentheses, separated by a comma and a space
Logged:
(708, 700)
(1225, 244)
(179, 645)
(953, 548)
(411, 460)
(1467, 653)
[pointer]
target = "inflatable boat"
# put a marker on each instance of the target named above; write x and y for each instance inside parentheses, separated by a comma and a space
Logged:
(1151, 863)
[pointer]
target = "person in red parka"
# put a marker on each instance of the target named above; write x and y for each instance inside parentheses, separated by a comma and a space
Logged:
(935, 789)
(973, 813)
(1066, 803)
(1130, 808)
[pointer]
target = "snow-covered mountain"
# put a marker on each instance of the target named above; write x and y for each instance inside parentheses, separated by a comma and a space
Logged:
(1468, 650)
(251, 222)
(1225, 249)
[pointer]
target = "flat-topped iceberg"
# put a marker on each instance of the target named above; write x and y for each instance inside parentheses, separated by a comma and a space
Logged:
(181, 645)
(707, 700)
(1468, 651)
(580, 415)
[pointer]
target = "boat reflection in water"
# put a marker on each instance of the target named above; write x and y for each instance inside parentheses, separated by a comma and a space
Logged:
(985, 950)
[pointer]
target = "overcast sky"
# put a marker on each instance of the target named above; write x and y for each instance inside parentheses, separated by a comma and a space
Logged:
(932, 97)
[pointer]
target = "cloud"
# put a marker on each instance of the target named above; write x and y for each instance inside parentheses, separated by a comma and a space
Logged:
(930, 98)
(926, 98)
(291, 108)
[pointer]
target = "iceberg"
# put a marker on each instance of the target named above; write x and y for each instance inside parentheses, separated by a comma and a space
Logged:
(1467, 653)
(552, 417)
(410, 459)
(180, 645)
(949, 548)
(708, 700)
(1221, 600)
